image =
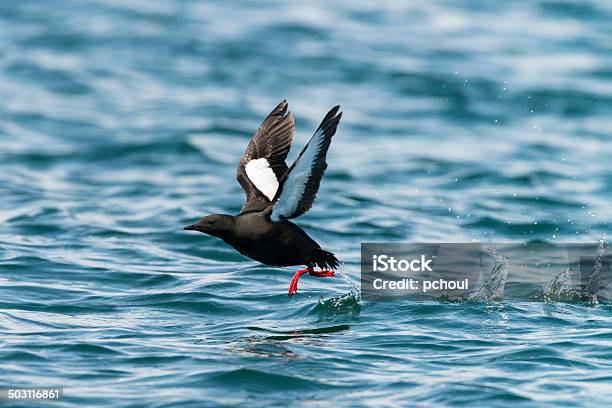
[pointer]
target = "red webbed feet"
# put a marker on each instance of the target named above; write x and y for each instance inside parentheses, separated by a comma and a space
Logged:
(294, 281)
(310, 271)
(322, 274)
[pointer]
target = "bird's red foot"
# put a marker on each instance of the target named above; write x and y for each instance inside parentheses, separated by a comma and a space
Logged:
(322, 273)
(296, 276)
(294, 281)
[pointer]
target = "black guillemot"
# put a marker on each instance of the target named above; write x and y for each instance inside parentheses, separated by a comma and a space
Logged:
(276, 193)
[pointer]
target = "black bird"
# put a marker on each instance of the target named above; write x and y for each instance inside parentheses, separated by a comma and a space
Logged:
(276, 193)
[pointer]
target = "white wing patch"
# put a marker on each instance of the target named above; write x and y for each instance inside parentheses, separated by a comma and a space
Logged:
(262, 176)
(294, 186)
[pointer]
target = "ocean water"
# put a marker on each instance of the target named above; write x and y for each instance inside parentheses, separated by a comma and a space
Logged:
(123, 121)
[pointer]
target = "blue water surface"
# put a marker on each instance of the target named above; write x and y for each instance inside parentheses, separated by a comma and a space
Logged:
(123, 121)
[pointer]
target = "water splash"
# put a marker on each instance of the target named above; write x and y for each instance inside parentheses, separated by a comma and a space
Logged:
(354, 288)
(347, 305)
(558, 288)
(493, 287)
(591, 288)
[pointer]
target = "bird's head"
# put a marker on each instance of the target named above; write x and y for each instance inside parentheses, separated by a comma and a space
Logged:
(218, 225)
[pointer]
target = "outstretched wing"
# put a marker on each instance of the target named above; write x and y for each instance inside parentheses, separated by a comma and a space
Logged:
(299, 186)
(263, 163)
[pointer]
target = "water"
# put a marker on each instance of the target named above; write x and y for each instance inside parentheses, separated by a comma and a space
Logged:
(122, 121)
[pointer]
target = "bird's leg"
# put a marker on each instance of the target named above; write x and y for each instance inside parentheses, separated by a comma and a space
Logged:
(294, 280)
(311, 272)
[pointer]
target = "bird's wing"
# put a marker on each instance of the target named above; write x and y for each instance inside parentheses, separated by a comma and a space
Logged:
(298, 188)
(263, 163)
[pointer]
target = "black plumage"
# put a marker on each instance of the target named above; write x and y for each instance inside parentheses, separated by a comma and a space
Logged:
(274, 194)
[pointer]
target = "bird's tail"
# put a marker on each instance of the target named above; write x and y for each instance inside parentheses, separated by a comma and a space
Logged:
(325, 260)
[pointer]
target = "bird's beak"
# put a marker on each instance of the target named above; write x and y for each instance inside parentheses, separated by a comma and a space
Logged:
(191, 227)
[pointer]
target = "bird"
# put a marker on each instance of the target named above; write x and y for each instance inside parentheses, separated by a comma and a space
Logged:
(275, 194)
